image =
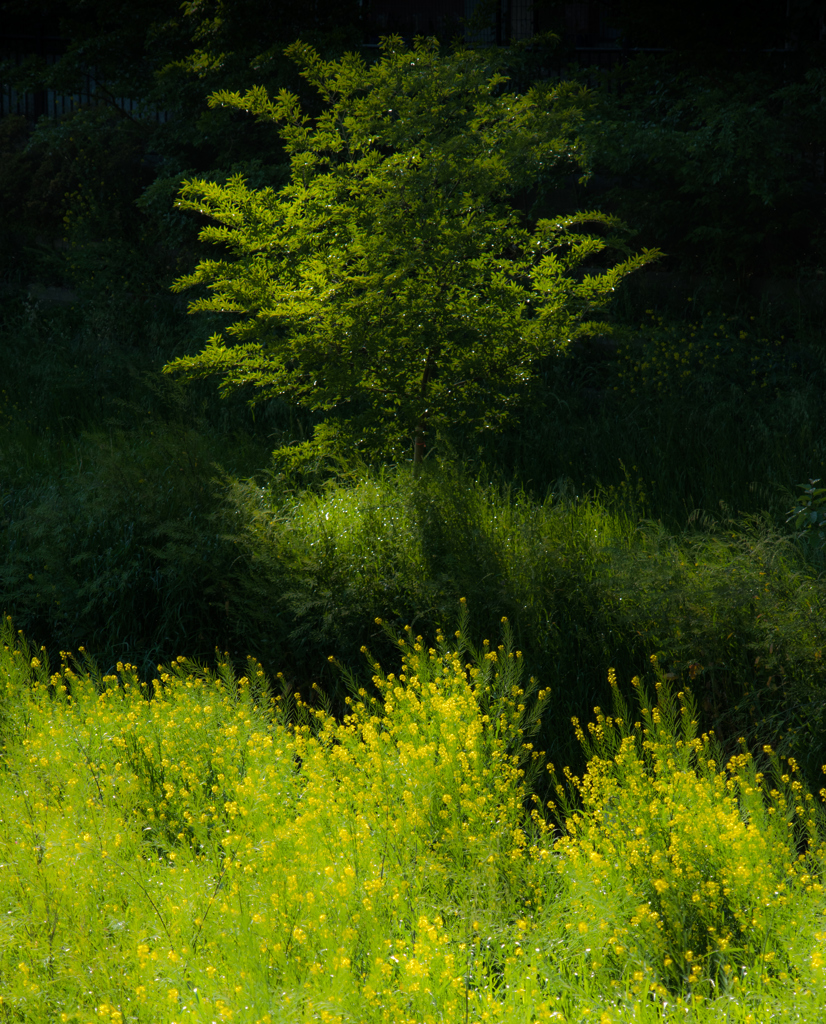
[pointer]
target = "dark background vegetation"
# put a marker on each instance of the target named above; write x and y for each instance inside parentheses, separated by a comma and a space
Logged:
(640, 506)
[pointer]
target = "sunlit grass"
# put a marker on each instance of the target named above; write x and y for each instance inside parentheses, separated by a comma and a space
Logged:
(587, 583)
(193, 849)
(141, 521)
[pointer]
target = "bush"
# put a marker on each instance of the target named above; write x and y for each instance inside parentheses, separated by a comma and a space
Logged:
(700, 851)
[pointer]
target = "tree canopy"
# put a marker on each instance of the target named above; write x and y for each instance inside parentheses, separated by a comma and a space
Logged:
(393, 284)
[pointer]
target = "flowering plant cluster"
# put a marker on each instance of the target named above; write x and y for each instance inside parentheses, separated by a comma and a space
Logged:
(698, 852)
(193, 849)
(666, 357)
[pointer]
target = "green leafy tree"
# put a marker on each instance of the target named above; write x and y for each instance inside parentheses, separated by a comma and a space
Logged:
(393, 284)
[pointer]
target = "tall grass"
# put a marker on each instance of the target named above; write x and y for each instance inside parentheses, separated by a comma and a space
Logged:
(703, 412)
(736, 609)
(213, 853)
(137, 519)
(107, 476)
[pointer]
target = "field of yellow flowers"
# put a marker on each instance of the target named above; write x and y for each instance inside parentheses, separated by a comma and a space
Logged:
(200, 847)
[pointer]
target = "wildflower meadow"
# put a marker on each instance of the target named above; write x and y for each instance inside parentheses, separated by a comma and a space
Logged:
(191, 848)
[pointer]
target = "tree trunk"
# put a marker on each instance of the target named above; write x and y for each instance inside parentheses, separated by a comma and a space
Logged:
(419, 443)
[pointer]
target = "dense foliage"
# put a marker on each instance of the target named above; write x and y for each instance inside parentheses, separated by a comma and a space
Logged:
(137, 518)
(656, 490)
(81, 178)
(725, 168)
(393, 284)
(214, 853)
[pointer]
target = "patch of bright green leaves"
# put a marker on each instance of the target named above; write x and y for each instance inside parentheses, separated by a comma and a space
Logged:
(392, 284)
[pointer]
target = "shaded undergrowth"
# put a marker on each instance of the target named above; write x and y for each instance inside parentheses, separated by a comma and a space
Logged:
(634, 510)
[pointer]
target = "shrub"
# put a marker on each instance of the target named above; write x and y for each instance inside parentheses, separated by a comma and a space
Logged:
(706, 857)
